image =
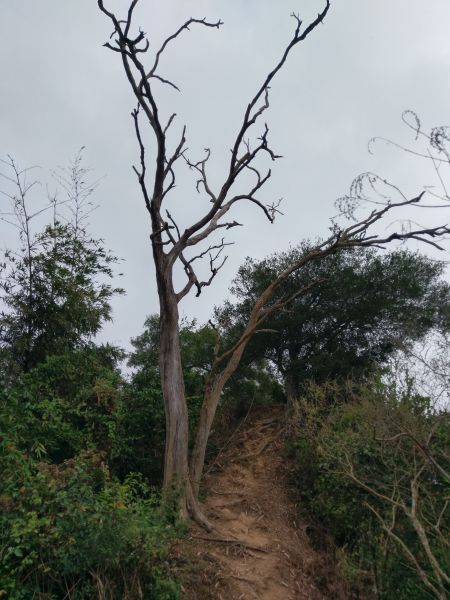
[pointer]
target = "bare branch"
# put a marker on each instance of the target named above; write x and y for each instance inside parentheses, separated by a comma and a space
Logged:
(178, 153)
(200, 167)
(410, 556)
(169, 122)
(214, 268)
(251, 115)
(250, 119)
(184, 27)
(166, 81)
(141, 174)
(422, 447)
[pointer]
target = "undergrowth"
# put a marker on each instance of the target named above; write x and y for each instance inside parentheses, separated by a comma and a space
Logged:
(70, 532)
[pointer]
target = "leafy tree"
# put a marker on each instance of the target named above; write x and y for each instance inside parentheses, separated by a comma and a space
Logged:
(366, 306)
(70, 530)
(61, 391)
(66, 404)
(54, 288)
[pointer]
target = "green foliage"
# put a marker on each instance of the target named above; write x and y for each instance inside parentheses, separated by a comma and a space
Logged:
(54, 286)
(366, 306)
(53, 301)
(69, 531)
(140, 433)
(67, 403)
(69, 527)
(357, 460)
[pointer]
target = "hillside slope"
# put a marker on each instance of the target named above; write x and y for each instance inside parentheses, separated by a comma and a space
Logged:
(260, 548)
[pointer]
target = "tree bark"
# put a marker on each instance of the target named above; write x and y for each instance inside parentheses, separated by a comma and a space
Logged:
(177, 482)
(176, 471)
(291, 389)
(213, 392)
(208, 411)
(177, 434)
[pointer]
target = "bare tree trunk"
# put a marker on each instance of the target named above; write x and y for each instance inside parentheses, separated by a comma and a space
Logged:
(208, 411)
(176, 469)
(213, 391)
(172, 381)
(291, 389)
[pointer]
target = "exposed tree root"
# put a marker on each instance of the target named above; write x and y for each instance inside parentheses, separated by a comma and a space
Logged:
(236, 542)
(257, 452)
(195, 512)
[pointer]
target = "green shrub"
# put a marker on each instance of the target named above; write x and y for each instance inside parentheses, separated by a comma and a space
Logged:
(69, 531)
(370, 468)
(66, 404)
(140, 440)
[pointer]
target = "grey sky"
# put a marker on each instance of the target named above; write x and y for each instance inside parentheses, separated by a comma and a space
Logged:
(351, 80)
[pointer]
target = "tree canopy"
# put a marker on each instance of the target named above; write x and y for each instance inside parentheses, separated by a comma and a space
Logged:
(364, 306)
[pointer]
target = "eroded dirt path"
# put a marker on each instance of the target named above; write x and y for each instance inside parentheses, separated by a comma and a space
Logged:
(260, 550)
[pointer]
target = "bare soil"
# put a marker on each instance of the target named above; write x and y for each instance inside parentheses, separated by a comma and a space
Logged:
(260, 549)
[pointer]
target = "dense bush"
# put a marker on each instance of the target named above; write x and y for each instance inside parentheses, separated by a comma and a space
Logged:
(66, 403)
(69, 531)
(371, 468)
(69, 528)
(140, 440)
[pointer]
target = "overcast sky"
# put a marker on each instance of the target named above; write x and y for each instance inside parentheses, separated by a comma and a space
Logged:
(350, 81)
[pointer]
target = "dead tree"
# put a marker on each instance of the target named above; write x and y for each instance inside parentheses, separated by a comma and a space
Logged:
(170, 244)
(174, 246)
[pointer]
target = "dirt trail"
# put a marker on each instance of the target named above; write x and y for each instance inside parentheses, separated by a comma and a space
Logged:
(267, 554)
